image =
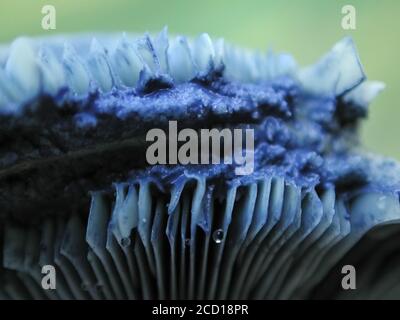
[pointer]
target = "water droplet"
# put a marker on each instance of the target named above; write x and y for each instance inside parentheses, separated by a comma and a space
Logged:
(125, 242)
(382, 202)
(187, 242)
(144, 220)
(218, 235)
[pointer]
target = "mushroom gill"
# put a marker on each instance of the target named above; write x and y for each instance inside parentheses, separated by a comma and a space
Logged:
(77, 193)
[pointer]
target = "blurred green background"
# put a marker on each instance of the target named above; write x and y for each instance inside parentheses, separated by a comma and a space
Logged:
(305, 28)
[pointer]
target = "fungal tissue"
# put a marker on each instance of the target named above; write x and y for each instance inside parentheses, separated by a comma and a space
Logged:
(77, 191)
